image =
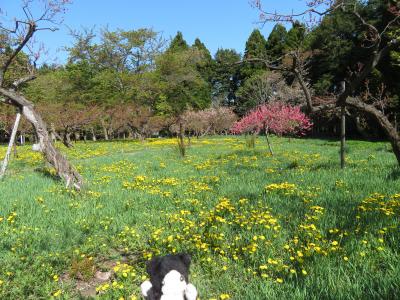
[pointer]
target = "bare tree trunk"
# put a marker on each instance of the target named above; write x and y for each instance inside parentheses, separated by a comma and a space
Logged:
(93, 134)
(22, 138)
(181, 141)
(35, 138)
(77, 136)
(62, 166)
(269, 144)
(53, 133)
(55, 136)
(103, 124)
(67, 139)
(10, 145)
(206, 131)
(304, 87)
(342, 136)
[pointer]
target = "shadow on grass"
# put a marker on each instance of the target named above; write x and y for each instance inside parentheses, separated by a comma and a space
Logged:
(323, 166)
(242, 153)
(46, 172)
(394, 174)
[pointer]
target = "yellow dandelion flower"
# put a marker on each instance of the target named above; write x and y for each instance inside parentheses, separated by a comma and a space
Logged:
(57, 293)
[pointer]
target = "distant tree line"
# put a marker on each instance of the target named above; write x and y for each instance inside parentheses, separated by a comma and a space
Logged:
(133, 84)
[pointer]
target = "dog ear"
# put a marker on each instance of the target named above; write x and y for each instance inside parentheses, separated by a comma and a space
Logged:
(186, 259)
(152, 265)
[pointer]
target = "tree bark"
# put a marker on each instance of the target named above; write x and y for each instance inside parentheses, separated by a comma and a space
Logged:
(67, 139)
(269, 144)
(54, 135)
(77, 136)
(382, 120)
(62, 166)
(181, 140)
(10, 145)
(342, 136)
(305, 88)
(103, 124)
(53, 132)
(93, 134)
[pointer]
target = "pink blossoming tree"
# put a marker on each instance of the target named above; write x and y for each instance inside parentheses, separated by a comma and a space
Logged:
(277, 117)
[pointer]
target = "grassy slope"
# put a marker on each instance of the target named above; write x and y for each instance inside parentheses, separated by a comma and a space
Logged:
(142, 200)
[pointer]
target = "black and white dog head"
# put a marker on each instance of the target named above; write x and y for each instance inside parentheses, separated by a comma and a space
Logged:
(169, 279)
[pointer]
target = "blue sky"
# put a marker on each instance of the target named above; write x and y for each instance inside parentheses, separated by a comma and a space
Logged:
(218, 23)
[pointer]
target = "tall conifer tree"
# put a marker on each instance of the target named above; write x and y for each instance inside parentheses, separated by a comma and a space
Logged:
(255, 48)
(276, 42)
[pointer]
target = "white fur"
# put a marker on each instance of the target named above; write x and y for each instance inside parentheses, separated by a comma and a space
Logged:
(145, 287)
(191, 292)
(174, 287)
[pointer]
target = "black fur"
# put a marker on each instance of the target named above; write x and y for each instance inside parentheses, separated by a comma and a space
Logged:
(158, 267)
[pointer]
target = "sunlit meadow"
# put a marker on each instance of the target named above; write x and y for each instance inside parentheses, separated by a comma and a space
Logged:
(292, 225)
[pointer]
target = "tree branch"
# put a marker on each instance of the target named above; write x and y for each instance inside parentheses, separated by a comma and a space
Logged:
(372, 63)
(312, 10)
(15, 98)
(23, 80)
(28, 36)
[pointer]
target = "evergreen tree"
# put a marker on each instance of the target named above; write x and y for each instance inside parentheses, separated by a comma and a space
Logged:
(205, 64)
(276, 42)
(226, 79)
(255, 48)
(178, 43)
(333, 43)
(199, 45)
(256, 90)
(389, 68)
(295, 37)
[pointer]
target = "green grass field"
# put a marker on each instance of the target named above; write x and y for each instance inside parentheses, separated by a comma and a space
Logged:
(290, 226)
